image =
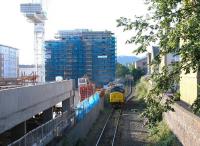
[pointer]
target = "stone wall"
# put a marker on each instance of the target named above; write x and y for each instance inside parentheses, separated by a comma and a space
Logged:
(185, 125)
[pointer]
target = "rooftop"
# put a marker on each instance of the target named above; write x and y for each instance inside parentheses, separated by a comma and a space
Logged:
(8, 47)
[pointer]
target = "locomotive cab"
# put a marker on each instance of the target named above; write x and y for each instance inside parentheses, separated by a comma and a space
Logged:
(117, 95)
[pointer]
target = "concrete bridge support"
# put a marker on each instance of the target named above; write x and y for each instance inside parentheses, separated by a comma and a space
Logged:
(66, 106)
(47, 114)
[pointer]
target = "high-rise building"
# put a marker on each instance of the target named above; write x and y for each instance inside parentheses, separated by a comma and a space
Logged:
(81, 52)
(9, 61)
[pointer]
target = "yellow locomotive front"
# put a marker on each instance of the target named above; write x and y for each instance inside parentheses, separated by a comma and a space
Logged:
(117, 95)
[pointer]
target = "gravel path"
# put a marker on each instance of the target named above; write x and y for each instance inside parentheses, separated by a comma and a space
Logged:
(131, 131)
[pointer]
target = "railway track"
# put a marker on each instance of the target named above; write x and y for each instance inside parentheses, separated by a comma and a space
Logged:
(109, 131)
(128, 96)
(108, 134)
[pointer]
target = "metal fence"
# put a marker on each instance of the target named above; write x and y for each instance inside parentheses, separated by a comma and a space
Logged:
(43, 134)
(46, 132)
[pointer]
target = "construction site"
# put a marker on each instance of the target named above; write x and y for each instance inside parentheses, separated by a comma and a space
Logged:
(81, 52)
(10, 74)
(40, 102)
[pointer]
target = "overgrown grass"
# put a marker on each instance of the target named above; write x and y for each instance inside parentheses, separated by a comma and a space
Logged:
(142, 88)
(161, 135)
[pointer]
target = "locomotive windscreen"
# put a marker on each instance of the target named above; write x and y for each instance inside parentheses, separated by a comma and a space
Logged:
(118, 89)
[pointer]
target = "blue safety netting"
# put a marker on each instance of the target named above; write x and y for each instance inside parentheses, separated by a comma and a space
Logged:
(92, 54)
(86, 106)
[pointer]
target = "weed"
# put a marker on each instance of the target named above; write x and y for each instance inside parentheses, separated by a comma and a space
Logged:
(161, 135)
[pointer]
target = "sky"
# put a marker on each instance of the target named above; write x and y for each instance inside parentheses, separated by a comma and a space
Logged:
(16, 31)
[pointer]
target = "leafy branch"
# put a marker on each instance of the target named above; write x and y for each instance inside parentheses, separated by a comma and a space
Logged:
(175, 26)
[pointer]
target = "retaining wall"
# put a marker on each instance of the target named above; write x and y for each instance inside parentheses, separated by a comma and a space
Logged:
(82, 128)
(185, 125)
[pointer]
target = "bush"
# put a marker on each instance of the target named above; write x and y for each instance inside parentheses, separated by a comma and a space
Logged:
(196, 105)
(155, 106)
(142, 88)
(161, 135)
(177, 96)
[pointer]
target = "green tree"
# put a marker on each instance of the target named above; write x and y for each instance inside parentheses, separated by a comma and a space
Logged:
(121, 70)
(175, 26)
(136, 73)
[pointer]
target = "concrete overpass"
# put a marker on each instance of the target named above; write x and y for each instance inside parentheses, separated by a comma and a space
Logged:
(20, 104)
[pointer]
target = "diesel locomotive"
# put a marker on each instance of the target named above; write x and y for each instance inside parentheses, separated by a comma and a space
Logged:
(117, 95)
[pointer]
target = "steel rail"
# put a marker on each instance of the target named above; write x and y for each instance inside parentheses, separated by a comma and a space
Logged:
(118, 120)
(116, 128)
(100, 136)
(130, 93)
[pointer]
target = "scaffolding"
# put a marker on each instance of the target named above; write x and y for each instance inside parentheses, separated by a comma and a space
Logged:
(81, 52)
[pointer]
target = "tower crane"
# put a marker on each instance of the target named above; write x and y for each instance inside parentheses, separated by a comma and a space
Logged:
(34, 12)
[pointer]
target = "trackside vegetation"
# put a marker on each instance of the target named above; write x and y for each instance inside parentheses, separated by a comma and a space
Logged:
(174, 26)
(122, 71)
(162, 136)
(142, 88)
(159, 133)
